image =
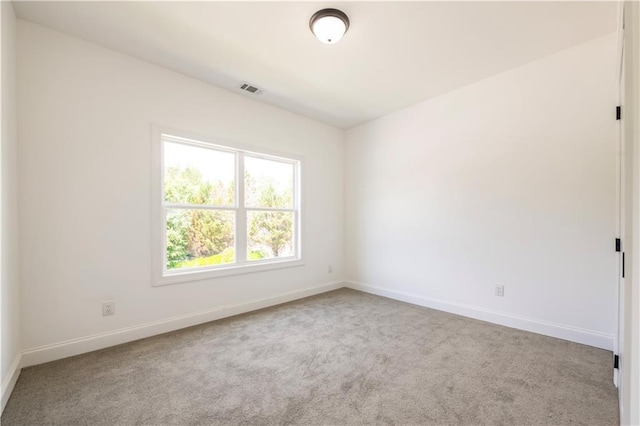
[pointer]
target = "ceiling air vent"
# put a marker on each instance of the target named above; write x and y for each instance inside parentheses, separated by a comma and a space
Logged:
(250, 88)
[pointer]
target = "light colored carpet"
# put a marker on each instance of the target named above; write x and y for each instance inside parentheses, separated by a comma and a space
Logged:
(342, 357)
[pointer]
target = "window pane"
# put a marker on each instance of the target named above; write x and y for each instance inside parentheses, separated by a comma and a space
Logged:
(195, 175)
(268, 183)
(200, 238)
(271, 234)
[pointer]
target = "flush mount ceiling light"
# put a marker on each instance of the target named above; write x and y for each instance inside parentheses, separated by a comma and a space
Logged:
(329, 25)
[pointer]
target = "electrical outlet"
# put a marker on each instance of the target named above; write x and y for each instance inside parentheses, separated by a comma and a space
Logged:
(330, 269)
(108, 308)
(500, 290)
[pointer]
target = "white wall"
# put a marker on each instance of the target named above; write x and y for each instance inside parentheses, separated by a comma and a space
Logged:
(11, 343)
(84, 119)
(512, 181)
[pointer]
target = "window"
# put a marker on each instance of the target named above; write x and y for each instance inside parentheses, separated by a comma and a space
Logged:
(223, 210)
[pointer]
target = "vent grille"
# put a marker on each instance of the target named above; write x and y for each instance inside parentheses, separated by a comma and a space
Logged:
(250, 88)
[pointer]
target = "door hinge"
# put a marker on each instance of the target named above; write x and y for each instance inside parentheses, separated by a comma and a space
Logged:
(618, 244)
(616, 361)
(618, 112)
(622, 264)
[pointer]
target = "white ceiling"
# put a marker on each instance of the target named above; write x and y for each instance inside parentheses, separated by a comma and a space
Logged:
(395, 54)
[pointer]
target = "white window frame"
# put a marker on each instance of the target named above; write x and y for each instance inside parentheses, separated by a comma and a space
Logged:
(160, 274)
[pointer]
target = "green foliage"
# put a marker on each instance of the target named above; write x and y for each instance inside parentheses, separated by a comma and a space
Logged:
(271, 229)
(177, 238)
(193, 234)
(186, 186)
(209, 233)
(199, 237)
(256, 255)
(227, 256)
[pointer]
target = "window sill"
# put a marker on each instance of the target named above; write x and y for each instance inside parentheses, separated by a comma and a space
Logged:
(197, 275)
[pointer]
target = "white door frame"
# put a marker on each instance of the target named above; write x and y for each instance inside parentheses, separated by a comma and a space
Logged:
(618, 341)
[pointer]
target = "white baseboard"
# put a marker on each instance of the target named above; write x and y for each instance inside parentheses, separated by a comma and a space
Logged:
(573, 334)
(9, 382)
(86, 344)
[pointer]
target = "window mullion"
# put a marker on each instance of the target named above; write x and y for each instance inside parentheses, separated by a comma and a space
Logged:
(186, 206)
(269, 209)
(241, 213)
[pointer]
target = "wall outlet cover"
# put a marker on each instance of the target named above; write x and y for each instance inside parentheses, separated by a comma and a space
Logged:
(108, 308)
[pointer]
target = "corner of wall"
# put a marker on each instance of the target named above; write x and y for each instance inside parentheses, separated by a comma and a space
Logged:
(560, 331)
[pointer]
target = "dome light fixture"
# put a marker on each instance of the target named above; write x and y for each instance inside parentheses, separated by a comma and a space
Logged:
(329, 25)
